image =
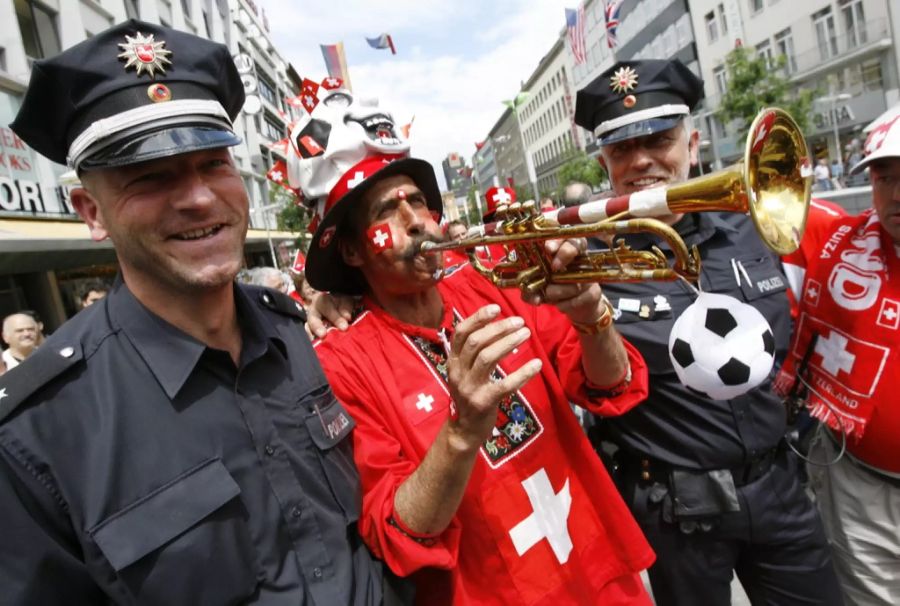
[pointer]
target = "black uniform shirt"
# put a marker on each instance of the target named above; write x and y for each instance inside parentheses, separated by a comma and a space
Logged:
(677, 425)
(138, 466)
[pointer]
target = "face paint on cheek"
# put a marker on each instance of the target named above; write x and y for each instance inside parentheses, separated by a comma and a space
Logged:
(436, 216)
(401, 195)
(379, 237)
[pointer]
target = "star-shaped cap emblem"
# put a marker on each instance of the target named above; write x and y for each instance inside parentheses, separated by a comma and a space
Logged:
(623, 80)
(144, 54)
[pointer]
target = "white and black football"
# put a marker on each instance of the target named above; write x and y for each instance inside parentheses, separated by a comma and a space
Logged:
(721, 347)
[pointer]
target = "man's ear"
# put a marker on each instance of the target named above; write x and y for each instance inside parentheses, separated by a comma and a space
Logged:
(602, 163)
(350, 252)
(87, 208)
(694, 147)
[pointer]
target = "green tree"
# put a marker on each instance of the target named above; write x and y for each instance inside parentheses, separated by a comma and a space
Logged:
(524, 192)
(472, 217)
(579, 167)
(754, 83)
(293, 216)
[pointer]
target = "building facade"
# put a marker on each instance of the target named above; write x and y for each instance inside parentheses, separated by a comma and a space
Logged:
(456, 174)
(546, 118)
(846, 50)
(45, 251)
(506, 139)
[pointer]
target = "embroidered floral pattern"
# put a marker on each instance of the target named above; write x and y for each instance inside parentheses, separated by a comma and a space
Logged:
(516, 424)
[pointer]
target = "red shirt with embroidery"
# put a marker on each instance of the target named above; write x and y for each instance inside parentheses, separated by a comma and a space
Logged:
(536, 477)
(850, 272)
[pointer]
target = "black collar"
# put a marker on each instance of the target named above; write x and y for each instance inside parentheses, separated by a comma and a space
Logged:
(171, 354)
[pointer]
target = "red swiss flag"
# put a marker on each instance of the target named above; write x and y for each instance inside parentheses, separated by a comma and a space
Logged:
(380, 237)
(332, 83)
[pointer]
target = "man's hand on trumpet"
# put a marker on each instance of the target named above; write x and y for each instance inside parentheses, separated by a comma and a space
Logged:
(582, 303)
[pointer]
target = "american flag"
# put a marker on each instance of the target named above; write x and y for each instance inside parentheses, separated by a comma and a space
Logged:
(613, 7)
(575, 28)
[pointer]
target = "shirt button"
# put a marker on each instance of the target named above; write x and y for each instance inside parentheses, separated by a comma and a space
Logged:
(317, 572)
(270, 450)
(296, 512)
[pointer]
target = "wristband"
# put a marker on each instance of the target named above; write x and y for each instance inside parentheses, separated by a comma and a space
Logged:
(616, 389)
(601, 324)
(426, 540)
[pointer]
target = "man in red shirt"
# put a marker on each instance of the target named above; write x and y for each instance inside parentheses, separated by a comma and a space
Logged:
(846, 344)
(477, 479)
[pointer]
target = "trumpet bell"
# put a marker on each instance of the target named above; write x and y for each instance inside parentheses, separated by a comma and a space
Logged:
(778, 176)
(772, 182)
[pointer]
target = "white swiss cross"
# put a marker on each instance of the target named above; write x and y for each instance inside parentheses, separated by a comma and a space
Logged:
(424, 402)
(332, 81)
(277, 176)
(549, 520)
(889, 316)
(811, 294)
(379, 239)
(502, 196)
(358, 177)
(835, 356)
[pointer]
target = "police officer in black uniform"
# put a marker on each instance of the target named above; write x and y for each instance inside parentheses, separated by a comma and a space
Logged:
(708, 481)
(177, 442)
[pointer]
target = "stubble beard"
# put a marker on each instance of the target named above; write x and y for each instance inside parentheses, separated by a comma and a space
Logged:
(175, 275)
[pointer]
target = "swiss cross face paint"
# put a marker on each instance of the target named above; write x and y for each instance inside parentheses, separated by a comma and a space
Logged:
(379, 237)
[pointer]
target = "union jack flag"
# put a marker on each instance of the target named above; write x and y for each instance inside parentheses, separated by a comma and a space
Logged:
(575, 29)
(613, 7)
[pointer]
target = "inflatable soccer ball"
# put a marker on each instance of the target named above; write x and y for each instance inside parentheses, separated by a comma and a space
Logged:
(721, 347)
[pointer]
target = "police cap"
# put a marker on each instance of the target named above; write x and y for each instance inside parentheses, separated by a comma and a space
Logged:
(132, 93)
(637, 98)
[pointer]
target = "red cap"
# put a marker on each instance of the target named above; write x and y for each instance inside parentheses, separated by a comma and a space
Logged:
(496, 196)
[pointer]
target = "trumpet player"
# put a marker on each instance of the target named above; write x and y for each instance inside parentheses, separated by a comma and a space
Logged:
(477, 481)
(709, 481)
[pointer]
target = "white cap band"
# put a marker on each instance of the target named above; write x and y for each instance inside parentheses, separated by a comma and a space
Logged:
(644, 114)
(108, 127)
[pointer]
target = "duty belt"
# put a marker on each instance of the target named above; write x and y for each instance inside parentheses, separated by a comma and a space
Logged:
(654, 470)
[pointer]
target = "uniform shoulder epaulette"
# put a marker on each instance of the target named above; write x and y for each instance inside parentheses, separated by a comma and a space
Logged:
(46, 363)
(278, 302)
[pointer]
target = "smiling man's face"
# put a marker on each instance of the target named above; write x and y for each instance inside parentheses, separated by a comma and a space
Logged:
(178, 224)
(655, 160)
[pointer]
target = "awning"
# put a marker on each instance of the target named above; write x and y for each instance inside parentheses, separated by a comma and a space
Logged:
(28, 245)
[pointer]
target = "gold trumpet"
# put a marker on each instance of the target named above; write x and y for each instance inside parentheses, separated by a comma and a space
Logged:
(772, 182)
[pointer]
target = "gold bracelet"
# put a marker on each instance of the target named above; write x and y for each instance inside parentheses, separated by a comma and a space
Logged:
(600, 325)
